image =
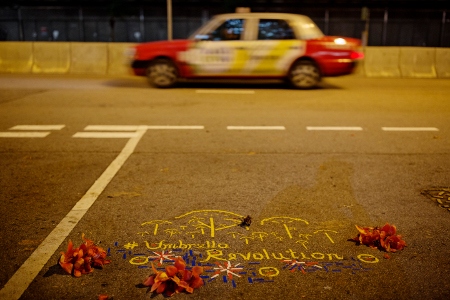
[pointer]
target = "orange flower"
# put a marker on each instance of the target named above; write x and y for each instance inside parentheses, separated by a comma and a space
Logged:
(393, 243)
(388, 230)
(175, 279)
(78, 261)
(65, 261)
(368, 236)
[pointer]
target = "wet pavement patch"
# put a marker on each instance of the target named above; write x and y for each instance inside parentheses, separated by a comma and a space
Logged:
(441, 196)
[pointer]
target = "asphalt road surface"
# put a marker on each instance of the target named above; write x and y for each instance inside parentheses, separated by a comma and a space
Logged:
(151, 174)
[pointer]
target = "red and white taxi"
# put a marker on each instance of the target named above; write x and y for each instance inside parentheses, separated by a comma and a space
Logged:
(249, 45)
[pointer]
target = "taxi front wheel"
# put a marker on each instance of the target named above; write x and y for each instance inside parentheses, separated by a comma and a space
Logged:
(304, 74)
(162, 73)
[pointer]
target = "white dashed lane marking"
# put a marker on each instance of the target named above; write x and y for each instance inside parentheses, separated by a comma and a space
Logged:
(334, 128)
(34, 131)
(135, 127)
(126, 131)
(37, 127)
(11, 134)
(409, 129)
(175, 127)
(256, 128)
(233, 92)
(105, 135)
(111, 128)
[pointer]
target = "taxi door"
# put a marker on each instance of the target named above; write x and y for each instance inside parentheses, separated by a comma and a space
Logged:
(273, 48)
(220, 51)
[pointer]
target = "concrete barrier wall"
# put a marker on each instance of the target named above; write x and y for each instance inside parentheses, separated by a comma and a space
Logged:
(64, 58)
(118, 63)
(51, 58)
(110, 59)
(443, 62)
(418, 62)
(16, 57)
(407, 62)
(382, 62)
(89, 58)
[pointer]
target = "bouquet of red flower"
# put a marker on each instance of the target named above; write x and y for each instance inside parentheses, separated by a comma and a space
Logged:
(175, 279)
(81, 260)
(384, 238)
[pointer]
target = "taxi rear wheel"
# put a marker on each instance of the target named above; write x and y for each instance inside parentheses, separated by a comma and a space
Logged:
(162, 73)
(304, 74)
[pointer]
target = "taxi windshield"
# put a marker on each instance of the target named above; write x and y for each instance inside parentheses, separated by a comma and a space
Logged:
(229, 29)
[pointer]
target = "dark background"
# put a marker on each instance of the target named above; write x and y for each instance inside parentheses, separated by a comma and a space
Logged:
(390, 23)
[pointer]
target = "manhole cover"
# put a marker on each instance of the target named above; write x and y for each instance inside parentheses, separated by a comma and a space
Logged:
(440, 196)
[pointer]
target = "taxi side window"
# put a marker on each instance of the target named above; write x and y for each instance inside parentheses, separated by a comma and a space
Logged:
(230, 30)
(270, 29)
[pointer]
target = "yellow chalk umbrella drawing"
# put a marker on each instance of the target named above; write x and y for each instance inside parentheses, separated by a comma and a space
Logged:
(204, 219)
(284, 221)
(156, 223)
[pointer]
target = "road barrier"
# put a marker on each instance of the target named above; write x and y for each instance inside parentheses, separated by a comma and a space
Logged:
(52, 58)
(110, 59)
(407, 62)
(418, 62)
(88, 58)
(118, 61)
(64, 58)
(443, 62)
(381, 62)
(16, 57)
